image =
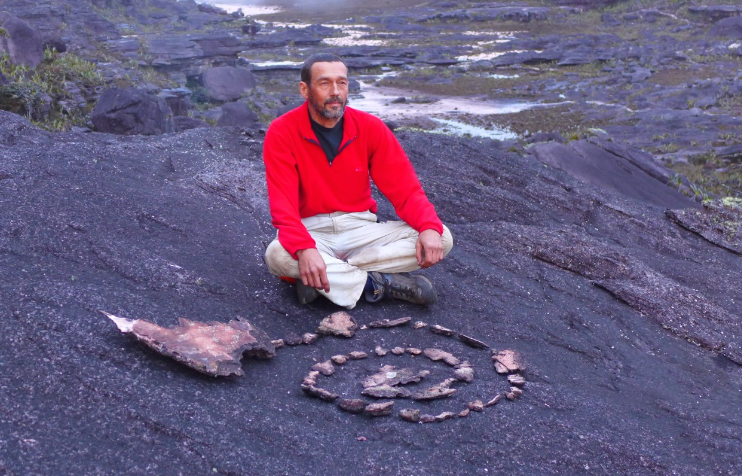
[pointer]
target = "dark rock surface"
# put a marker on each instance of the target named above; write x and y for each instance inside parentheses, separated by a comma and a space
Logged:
(227, 83)
(132, 111)
(20, 41)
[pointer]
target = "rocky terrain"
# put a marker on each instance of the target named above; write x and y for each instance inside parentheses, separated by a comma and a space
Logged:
(131, 182)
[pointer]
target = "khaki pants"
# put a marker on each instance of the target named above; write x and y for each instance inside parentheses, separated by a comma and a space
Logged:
(352, 244)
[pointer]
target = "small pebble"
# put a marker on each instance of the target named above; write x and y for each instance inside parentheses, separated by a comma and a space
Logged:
(380, 351)
(465, 374)
(325, 368)
(398, 351)
(464, 413)
(427, 418)
(339, 359)
(379, 409)
(493, 401)
(361, 438)
(352, 405)
(444, 416)
(442, 331)
(419, 325)
(278, 343)
(390, 323)
(356, 355)
(476, 406)
(517, 380)
(325, 395)
(309, 338)
(293, 339)
(514, 393)
(410, 415)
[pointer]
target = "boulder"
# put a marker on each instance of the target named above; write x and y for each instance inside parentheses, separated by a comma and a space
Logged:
(227, 83)
(728, 28)
(237, 114)
(132, 111)
(20, 41)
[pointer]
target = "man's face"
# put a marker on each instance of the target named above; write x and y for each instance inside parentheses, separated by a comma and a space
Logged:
(328, 92)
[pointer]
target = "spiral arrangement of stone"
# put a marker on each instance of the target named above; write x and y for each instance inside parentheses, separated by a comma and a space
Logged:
(389, 381)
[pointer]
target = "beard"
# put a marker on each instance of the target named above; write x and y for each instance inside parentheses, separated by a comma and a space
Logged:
(324, 111)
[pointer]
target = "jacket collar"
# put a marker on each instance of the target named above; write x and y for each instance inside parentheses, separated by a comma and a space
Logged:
(350, 129)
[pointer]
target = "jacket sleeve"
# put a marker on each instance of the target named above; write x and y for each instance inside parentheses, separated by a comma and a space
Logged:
(392, 171)
(282, 178)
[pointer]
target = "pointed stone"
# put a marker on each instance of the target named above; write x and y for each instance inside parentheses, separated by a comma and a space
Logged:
(325, 368)
(472, 342)
(390, 323)
(311, 378)
(339, 359)
(443, 331)
(338, 324)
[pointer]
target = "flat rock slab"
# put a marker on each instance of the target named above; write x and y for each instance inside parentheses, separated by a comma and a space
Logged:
(213, 348)
(507, 361)
(339, 324)
(437, 354)
(390, 322)
(442, 390)
(391, 376)
(386, 391)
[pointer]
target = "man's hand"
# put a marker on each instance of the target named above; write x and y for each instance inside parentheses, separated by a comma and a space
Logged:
(313, 269)
(429, 248)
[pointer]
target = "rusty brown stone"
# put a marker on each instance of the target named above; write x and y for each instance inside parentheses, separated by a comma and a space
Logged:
(339, 359)
(380, 351)
(464, 413)
(352, 405)
(465, 374)
(320, 393)
(338, 324)
(494, 401)
(357, 355)
(213, 348)
(398, 350)
(476, 406)
(409, 414)
(419, 325)
(413, 351)
(379, 409)
(441, 390)
(509, 359)
(444, 416)
(517, 380)
(386, 391)
(437, 354)
(309, 338)
(389, 323)
(325, 368)
(442, 331)
(472, 342)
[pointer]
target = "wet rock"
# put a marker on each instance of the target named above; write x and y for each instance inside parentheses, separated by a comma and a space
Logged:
(293, 339)
(385, 391)
(213, 348)
(390, 323)
(427, 418)
(472, 342)
(517, 380)
(325, 368)
(132, 111)
(465, 374)
(391, 376)
(508, 360)
(379, 409)
(380, 351)
(278, 343)
(437, 354)
(442, 331)
(352, 405)
(338, 324)
(321, 393)
(409, 414)
(442, 390)
(494, 401)
(419, 325)
(476, 406)
(309, 338)
(444, 416)
(357, 355)
(339, 359)
(514, 393)
(413, 351)
(398, 351)
(464, 413)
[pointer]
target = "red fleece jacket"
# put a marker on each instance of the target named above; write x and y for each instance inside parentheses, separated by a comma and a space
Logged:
(302, 183)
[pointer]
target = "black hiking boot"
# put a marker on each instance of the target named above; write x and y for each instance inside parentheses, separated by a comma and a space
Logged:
(415, 289)
(306, 294)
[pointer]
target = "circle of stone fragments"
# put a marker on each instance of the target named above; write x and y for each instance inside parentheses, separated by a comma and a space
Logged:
(389, 381)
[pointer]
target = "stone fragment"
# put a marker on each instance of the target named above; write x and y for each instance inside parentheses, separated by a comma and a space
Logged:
(442, 390)
(464, 413)
(414, 351)
(410, 415)
(442, 331)
(398, 351)
(356, 355)
(293, 339)
(444, 416)
(437, 354)
(517, 380)
(338, 324)
(514, 393)
(419, 325)
(472, 342)
(379, 409)
(386, 391)
(391, 376)
(427, 418)
(309, 338)
(352, 405)
(339, 359)
(476, 406)
(500, 369)
(390, 323)
(380, 351)
(132, 111)
(325, 368)
(321, 393)
(493, 401)
(213, 348)
(278, 343)
(361, 438)
(465, 374)
(508, 359)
